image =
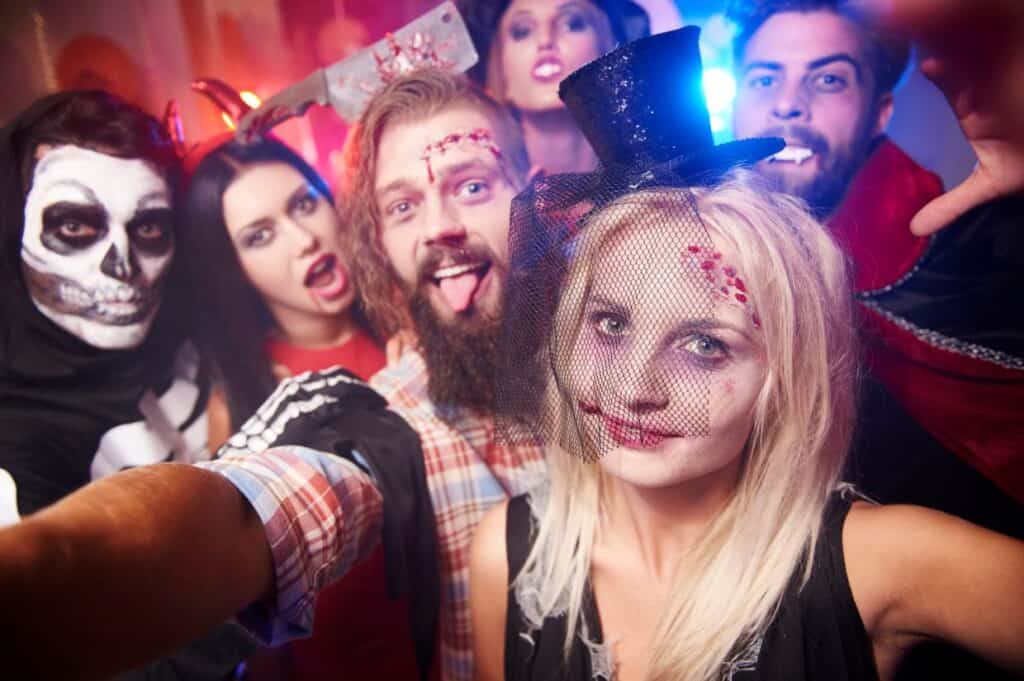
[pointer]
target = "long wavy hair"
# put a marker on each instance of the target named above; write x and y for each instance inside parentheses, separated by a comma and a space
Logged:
(230, 316)
(415, 97)
(739, 569)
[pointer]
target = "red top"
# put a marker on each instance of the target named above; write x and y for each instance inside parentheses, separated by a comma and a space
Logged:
(360, 354)
(358, 632)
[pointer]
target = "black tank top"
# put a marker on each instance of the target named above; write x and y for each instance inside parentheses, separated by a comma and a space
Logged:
(816, 635)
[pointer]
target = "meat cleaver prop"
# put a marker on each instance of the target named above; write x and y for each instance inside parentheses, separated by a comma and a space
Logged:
(437, 39)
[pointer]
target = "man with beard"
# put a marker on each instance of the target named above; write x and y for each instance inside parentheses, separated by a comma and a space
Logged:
(820, 74)
(940, 415)
(433, 164)
(268, 530)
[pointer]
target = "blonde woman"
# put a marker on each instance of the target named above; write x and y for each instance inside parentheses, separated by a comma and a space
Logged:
(529, 46)
(681, 342)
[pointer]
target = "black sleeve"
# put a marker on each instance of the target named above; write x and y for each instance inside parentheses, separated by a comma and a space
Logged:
(969, 282)
(391, 451)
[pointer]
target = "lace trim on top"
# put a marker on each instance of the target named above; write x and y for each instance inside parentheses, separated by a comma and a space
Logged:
(527, 592)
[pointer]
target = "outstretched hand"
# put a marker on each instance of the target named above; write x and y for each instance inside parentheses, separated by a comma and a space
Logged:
(297, 409)
(974, 53)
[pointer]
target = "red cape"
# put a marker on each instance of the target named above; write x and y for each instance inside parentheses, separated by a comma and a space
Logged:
(974, 407)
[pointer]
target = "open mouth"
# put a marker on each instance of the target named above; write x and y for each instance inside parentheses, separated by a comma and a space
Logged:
(325, 278)
(792, 153)
(547, 69)
(460, 284)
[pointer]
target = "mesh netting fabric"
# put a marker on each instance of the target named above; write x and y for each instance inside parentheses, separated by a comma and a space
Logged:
(613, 276)
(609, 288)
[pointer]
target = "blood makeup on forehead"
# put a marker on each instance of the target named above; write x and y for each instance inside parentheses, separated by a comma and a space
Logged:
(479, 137)
(729, 287)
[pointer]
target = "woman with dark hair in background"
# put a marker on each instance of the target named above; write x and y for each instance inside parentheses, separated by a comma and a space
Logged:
(528, 46)
(270, 278)
(273, 296)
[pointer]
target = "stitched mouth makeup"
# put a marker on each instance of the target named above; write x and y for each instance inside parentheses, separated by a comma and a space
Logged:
(631, 434)
(120, 305)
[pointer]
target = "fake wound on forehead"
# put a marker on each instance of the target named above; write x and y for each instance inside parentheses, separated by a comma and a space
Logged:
(476, 137)
(728, 285)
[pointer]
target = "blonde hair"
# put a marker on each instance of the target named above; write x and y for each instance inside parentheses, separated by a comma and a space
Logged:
(420, 95)
(803, 420)
(495, 75)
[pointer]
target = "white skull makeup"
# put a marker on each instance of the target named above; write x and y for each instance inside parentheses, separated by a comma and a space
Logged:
(98, 241)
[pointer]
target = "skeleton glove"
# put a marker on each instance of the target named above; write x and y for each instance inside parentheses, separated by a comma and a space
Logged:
(299, 409)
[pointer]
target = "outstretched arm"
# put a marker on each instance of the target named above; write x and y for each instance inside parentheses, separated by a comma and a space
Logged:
(138, 563)
(125, 569)
(921, 574)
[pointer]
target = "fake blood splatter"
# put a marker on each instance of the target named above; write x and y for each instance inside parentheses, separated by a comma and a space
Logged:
(478, 137)
(727, 282)
(419, 52)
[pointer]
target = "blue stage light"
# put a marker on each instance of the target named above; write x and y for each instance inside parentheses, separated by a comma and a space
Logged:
(719, 124)
(719, 90)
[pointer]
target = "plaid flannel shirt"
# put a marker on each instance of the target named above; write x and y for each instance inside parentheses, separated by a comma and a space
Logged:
(322, 513)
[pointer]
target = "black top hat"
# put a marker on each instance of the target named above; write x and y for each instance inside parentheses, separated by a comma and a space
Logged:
(642, 105)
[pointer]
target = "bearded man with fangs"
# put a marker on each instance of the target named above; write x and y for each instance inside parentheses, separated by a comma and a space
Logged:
(940, 413)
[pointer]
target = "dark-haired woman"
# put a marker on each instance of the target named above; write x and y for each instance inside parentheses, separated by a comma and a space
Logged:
(273, 296)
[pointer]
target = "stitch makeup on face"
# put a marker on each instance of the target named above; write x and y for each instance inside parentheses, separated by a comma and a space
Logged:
(728, 285)
(478, 137)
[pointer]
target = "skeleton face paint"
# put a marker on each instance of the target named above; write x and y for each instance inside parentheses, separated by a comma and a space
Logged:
(97, 242)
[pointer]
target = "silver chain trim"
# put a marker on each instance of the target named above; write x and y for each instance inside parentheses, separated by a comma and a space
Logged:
(948, 343)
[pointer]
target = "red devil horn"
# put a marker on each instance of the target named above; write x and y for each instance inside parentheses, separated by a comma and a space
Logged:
(224, 96)
(173, 126)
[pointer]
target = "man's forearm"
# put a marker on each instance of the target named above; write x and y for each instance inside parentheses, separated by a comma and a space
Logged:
(126, 569)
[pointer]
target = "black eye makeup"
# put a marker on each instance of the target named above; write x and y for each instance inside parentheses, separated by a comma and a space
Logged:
(574, 21)
(151, 230)
(519, 30)
(305, 201)
(68, 226)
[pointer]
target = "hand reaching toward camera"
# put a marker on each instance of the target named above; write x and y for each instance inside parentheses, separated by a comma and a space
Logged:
(974, 52)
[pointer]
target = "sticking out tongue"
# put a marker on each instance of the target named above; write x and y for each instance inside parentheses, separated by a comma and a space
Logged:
(458, 291)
